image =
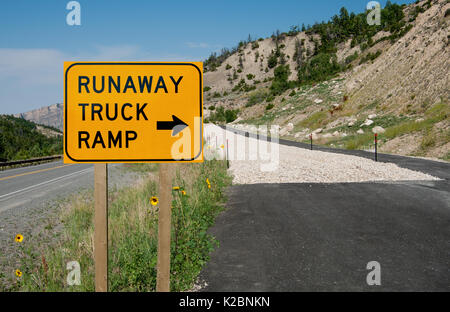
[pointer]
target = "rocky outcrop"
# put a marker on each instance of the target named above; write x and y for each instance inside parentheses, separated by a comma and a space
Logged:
(52, 116)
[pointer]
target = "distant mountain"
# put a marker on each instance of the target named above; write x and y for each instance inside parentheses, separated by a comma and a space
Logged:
(49, 115)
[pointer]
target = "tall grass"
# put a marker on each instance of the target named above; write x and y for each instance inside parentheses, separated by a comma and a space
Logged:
(436, 113)
(133, 235)
(315, 120)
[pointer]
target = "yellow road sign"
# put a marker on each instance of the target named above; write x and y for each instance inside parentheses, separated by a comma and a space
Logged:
(133, 112)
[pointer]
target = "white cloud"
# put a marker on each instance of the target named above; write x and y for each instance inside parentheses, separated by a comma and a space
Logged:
(31, 65)
(202, 45)
(46, 65)
(29, 77)
(195, 45)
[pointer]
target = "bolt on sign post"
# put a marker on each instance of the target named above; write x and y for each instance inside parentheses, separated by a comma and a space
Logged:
(133, 112)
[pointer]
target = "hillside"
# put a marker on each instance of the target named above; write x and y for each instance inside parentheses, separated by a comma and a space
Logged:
(22, 139)
(342, 78)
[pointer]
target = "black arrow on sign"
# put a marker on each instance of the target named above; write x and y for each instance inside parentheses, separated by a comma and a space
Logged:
(177, 125)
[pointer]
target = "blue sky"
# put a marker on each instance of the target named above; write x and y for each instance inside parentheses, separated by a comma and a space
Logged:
(35, 39)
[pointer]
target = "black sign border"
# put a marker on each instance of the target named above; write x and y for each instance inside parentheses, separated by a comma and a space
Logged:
(66, 152)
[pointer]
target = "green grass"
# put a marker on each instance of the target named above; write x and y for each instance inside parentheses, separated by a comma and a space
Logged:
(257, 97)
(428, 140)
(435, 114)
(296, 102)
(150, 167)
(372, 105)
(385, 121)
(398, 126)
(356, 142)
(314, 121)
(133, 235)
(447, 156)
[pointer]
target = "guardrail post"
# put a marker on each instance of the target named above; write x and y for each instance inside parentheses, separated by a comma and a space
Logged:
(28, 161)
(228, 157)
(376, 143)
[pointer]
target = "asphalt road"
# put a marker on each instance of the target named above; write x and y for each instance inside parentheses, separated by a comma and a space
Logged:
(320, 237)
(41, 182)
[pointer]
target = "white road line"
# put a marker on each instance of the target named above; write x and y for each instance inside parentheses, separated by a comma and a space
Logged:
(46, 182)
(24, 169)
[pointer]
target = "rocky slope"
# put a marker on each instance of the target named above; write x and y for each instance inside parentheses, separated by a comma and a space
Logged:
(397, 87)
(49, 115)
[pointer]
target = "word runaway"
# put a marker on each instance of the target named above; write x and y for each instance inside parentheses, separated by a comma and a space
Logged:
(143, 84)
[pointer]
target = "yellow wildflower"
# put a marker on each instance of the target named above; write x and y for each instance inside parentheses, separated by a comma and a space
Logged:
(19, 238)
(154, 200)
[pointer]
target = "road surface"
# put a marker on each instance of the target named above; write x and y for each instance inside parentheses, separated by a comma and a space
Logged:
(22, 186)
(321, 237)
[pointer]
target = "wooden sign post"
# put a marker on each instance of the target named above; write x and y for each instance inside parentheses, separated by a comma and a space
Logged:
(157, 106)
(164, 228)
(101, 227)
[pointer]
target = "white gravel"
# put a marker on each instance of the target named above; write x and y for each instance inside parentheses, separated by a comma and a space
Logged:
(298, 165)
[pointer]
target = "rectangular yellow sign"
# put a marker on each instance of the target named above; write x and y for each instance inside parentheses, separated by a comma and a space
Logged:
(133, 112)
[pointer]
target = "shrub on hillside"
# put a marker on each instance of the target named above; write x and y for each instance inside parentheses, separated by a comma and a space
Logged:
(272, 61)
(269, 106)
(319, 68)
(280, 81)
(256, 97)
(222, 115)
(351, 58)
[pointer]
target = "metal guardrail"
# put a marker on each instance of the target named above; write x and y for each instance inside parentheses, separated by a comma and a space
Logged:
(29, 161)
